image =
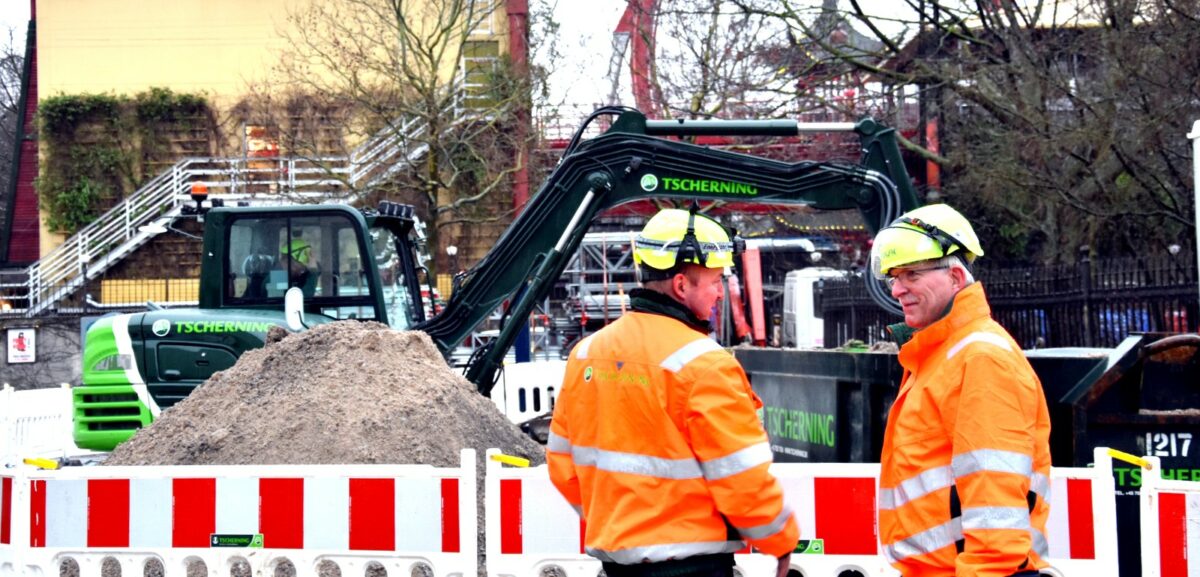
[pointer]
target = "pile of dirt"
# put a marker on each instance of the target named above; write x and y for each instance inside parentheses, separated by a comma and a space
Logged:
(343, 392)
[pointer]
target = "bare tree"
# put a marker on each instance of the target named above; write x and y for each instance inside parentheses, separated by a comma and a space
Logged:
(11, 64)
(428, 81)
(1061, 124)
(711, 62)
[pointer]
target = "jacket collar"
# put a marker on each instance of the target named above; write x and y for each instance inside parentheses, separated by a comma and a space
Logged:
(968, 306)
(647, 301)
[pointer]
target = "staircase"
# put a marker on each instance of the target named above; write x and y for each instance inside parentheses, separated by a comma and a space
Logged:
(119, 232)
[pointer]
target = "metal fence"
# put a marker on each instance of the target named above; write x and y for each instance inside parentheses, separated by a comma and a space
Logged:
(100, 296)
(1085, 304)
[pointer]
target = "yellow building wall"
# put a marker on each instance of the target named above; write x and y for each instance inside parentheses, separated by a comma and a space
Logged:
(219, 48)
(215, 47)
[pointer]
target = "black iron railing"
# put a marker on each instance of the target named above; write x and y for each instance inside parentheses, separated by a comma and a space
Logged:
(1086, 304)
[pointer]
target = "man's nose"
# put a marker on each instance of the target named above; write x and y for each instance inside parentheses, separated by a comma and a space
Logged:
(898, 289)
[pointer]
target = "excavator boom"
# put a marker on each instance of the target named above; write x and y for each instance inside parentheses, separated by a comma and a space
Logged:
(636, 160)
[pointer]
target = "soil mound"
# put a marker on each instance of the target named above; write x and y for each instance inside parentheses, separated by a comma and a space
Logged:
(343, 392)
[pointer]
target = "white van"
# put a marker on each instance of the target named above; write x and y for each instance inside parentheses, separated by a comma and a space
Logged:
(801, 326)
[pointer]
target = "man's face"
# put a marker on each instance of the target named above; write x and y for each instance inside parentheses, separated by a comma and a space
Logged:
(924, 290)
(699, 289)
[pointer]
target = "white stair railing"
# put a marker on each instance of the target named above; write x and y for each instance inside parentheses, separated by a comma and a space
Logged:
(115, 234)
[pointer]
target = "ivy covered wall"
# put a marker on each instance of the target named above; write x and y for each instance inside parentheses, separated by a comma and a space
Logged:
(98, 148)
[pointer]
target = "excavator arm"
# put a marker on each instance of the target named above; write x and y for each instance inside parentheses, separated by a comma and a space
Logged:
(635, 160)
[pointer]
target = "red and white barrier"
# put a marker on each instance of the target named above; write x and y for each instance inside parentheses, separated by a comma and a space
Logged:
(394, 515)
(1082, 529)
(834, 503)
(1170, 522)
(529, 526)
(6, 507)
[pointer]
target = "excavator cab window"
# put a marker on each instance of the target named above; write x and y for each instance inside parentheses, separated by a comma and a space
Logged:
(319, 254)
(394, 282)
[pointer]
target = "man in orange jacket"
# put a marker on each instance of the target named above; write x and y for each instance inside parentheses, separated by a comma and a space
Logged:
(655, 438)
(964, 480)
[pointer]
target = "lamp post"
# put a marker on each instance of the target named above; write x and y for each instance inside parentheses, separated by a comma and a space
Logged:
(453, 252)
(1194, 136)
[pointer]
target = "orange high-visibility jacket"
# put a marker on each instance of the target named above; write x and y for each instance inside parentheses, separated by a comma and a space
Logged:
(963, 488)
(655, 436)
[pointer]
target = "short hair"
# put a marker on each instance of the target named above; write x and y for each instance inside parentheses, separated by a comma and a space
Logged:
(953, 261)
(659, 280)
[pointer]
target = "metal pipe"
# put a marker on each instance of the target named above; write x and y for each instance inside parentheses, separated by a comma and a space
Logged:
(826, 126)
(685, 127)
(575, 218)
(717, 127)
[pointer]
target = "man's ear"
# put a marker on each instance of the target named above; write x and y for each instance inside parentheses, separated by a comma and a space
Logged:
(959, 277)
(679, 282)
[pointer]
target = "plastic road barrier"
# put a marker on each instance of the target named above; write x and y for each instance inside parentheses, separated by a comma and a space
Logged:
(530, 527)
(35, 423)
(405, 516)
(1170, 524)
(399, 516)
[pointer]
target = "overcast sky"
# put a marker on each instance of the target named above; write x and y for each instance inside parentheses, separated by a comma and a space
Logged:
(14, 15)
(585, 40)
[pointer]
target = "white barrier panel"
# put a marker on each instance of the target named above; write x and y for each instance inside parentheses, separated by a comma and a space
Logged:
(527, 390)
(1170, 520)
(529, 526)
(398, 516)
(35, 423)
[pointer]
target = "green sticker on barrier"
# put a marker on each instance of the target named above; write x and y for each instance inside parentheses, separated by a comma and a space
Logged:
(810, 547)
(254, 541)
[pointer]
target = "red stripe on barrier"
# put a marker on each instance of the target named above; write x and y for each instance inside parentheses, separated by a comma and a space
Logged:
(37, 513)
(108, 513)
(6, 498)
(1172, 535)
(372, 514)
(510, 516)
(844, 509)
(1079, 519)
(281, 513)
(450, 537)
(195, 516)
(582, 535)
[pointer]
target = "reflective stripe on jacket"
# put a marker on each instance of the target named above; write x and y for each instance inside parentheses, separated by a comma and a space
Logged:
(964, 486)
(655, 436)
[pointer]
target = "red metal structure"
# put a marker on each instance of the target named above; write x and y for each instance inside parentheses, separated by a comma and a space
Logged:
(518, 49)
(20, 241)
(636, 29)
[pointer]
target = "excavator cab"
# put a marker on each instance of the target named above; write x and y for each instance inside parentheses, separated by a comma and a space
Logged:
(349, 264)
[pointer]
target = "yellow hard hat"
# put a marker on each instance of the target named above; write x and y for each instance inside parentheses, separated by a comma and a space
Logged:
(927, 233)
(675, 236)
(298, 249)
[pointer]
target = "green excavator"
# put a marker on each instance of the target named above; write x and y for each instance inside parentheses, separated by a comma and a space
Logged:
(298, 266)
